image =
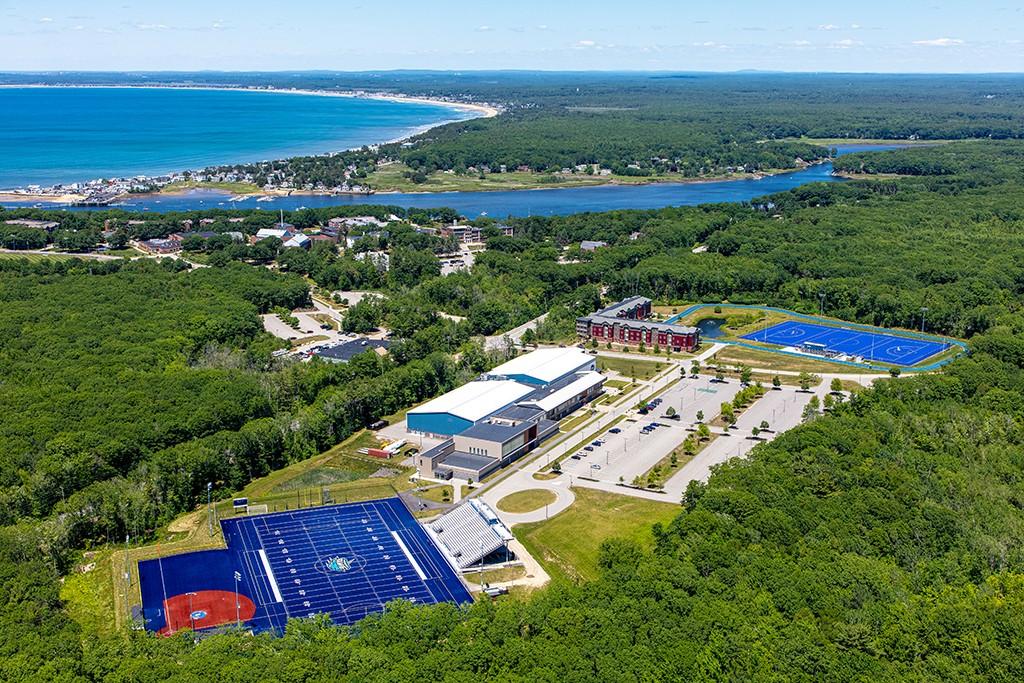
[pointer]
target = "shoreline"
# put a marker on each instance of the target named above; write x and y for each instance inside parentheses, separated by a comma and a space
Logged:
(229, 195)
(485, 110)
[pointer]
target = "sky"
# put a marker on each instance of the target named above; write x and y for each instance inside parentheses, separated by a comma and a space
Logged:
(354, 35)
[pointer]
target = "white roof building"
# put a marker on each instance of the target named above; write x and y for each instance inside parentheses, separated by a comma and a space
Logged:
(569, 393)
(264, 233)
(460, 408)
(545, 366)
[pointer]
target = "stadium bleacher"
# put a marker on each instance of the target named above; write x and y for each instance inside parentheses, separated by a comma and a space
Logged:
(469, 533)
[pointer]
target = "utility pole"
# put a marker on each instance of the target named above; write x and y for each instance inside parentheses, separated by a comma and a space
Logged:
(191, 612)
(238, 619)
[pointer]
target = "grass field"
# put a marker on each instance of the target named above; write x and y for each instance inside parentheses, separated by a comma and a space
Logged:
(567, 545)
(494, 576)
(34, 258)
(627, 367)
(234, 188)
(739, 355)
(573, 421)
(526, 501)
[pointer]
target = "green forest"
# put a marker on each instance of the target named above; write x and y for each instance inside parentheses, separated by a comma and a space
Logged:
(882, 541)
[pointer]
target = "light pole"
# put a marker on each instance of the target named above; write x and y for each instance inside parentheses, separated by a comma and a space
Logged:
(238, 618)
(924, 310)
(209, 509)
(821, 295)
(191, 619)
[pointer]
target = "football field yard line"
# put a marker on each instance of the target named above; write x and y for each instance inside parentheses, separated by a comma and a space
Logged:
(408, 555)
(270, 575)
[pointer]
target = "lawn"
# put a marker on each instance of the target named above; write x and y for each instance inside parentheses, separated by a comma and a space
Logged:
(234, 188)
(567, 545)
(88, 593)
(526, 501)
(438, 494)
(573, 421)
(627, 367)
(767, 360)
(34, 258)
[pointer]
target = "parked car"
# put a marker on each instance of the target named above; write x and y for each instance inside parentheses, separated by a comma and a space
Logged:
(588, 449)
(614, 430)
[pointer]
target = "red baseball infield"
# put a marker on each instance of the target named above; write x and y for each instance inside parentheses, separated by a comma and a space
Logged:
(204, 609)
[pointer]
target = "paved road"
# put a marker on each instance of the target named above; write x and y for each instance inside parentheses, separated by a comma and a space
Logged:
(515, 334)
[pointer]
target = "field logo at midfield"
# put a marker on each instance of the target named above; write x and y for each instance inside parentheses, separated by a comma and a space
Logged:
(339, 564)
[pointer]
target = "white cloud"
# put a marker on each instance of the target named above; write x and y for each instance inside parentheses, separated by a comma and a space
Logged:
(846, 43)
(828, 27)
(585, 43)
(855, 26)
(484, 28)
(45, 20)
(152, 27)
(940, 42)
(801, 43)
(542, 27)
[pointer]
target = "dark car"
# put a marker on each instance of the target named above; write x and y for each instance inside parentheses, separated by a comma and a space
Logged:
(614, 430)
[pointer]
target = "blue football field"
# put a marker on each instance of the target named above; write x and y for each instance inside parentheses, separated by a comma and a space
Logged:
(876, 346)
(345, 561)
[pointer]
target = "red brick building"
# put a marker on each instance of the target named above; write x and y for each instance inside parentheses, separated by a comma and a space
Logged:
(626, 322)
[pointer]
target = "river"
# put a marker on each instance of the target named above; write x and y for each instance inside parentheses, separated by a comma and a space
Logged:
(547, 202)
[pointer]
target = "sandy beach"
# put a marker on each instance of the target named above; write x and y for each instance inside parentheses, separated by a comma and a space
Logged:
(33, 198)
(484, 110)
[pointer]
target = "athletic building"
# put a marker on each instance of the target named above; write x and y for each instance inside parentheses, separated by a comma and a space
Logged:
(626, 323)
(461, 408)
(493, 421)
(545, 366)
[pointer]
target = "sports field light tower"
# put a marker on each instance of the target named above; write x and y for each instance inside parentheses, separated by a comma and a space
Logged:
(924, 311)
(238, 619)
(209, 510)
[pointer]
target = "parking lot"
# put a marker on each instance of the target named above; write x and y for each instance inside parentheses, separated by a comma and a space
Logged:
(637, 446)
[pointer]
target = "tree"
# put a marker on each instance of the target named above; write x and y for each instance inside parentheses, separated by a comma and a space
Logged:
(829, 401)
(700, 416)
(745, 375)
(894, 372)
(805, 381)
(776, 382)
(529, 337)
(764, 425)
(671, 412)
(694, 368)
(811, 409)
(726, 410)
(754, 431)
(556, 467)
(836, 386)
(703, 432)
(719, 376)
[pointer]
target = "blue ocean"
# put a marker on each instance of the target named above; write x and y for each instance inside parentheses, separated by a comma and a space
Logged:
(61, 135)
